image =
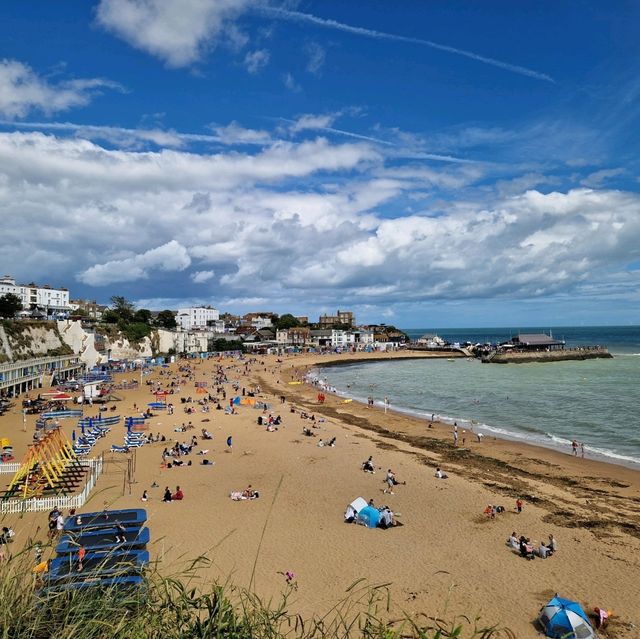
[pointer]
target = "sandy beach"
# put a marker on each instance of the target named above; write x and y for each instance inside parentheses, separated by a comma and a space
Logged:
(447, 559)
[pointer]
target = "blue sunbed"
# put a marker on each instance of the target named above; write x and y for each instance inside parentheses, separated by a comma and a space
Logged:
(106, 519)
(97, 565)
(104, 539)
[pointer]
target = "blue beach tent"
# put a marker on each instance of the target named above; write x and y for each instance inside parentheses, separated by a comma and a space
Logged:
(369, 517)
(565, 619)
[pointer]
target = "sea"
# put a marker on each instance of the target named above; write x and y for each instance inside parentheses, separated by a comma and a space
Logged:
(595, 402)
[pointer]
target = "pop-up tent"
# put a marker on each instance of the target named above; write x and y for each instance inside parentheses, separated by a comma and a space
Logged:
(565, 619)
(369, 517)
(354, 508)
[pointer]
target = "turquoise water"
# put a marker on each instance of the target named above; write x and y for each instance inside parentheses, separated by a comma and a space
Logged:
(595, 402)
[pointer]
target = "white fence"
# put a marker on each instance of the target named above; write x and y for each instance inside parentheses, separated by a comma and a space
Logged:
(9, 467)
(36, 504)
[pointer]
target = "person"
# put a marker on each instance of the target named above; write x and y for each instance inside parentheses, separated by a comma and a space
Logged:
(248, 492)
(320, 443)
(490, 512)
(120, 533)
(229, 443)
(519, 505)
(178, 495)
(4, 538)
(602, 617)
(386, 518)
(371, 503)
(574, 446)
(332, 442)
(167, 495)
(81, 555)
(53, 516)
(553, 544)
(441, 475)
(513, 541)
(367, 466)
(145, 496)
(526, 550)
(543, 551)
(59, 524)
(390, 479)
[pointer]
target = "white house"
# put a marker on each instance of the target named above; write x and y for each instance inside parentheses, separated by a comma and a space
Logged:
(45, 298)
(197, 317)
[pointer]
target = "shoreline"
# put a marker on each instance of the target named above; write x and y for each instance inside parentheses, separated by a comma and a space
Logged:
(519, 461)
(500, 433)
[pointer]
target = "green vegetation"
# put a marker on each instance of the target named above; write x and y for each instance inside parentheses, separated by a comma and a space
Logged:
(10, 304)
(286, 321)
(173, 607)
(219, 345)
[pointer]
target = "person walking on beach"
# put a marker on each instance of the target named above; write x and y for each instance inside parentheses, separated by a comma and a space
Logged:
(455, 435)
(519, 505)
(574, 446)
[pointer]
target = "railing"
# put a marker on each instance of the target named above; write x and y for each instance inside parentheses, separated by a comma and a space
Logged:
(9, 467)
(37, 504)
(25, 363)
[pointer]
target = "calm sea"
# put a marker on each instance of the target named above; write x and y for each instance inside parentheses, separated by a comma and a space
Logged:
(549, 404)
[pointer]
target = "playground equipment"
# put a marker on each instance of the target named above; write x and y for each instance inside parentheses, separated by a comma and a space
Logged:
(50, 466)
(114, 552)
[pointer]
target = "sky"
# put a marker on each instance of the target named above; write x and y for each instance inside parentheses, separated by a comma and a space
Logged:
(424, 164)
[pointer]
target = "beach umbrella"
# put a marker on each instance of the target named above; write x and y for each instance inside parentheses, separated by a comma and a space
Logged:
(201, 391)
(565, 619)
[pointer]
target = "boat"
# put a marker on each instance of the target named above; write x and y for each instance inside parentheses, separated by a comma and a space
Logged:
(105, 519)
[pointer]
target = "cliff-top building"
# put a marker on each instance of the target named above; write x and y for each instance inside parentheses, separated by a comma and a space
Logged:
(33, 297)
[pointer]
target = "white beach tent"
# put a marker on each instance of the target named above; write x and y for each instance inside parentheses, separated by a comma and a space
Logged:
(354, 508)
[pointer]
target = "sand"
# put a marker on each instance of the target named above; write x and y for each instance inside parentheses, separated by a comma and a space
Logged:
(446, 560)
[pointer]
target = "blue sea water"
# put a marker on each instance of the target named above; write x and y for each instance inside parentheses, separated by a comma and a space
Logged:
(595, 402)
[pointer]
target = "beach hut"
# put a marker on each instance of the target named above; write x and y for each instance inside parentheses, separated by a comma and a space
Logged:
(565, 619)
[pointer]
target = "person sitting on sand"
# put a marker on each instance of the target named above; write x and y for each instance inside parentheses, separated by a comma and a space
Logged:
(368, 467)
(513, 541)
(386, 518)
(167, 495)
(490, 512)
(320, 443)
(542, 551)
(145, 496)
(206, 434)
(248, 492)
(526, 549)
(178, 495)
(440, 474)
(332, 442)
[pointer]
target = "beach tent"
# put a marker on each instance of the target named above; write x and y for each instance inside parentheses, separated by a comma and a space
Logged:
(369, 517)
(354, 508)
(565, 619)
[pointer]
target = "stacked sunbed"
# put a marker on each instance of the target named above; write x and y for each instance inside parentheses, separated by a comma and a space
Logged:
(115, 543)
(92, 430)
(132, 438)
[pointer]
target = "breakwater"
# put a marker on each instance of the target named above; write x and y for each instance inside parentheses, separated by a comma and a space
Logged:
(563, 355)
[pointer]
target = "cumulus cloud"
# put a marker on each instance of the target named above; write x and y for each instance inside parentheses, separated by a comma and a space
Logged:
(200, 277)
(22, 91)
(178, 33)
(171, 256)
(304, 224)
(256, 60)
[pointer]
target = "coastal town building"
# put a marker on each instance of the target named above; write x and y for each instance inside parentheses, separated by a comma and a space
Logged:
(46, 299)
(25, 375)
(88, 308)
(199, 317)
(345, 318)
(534, 342)
(298, 336)
(259, 320)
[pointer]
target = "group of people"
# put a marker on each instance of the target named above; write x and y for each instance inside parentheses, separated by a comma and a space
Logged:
(527, 548)
(178, 495)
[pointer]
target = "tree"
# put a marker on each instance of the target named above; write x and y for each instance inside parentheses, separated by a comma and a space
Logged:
(10, 304)
(122, 307)
(286, 321)
(166, 319)
(142, 316)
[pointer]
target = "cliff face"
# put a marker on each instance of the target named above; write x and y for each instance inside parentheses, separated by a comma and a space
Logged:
(27, 340)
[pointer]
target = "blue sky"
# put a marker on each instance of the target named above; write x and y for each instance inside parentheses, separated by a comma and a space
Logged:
(422, 163)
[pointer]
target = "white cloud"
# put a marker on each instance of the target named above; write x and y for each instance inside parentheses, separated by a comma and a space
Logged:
(178, 33)
(303, 224)
(290, 83)
(598, 178)
(316, 57)
(256, 60)
(200, 277)
(235, 134)
(310, 121)
(23, 91)
(171, 256)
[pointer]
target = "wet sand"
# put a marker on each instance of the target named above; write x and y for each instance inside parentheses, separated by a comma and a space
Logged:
(447, 559)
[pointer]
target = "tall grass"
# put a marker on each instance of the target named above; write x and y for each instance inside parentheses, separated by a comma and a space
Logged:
(169, 607)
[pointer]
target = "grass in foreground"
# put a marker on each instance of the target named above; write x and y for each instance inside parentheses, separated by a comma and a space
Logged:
(169, 608)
